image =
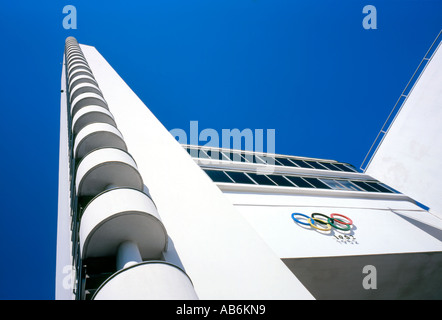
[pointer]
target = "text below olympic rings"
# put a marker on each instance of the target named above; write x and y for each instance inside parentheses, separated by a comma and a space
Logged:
(323, 222)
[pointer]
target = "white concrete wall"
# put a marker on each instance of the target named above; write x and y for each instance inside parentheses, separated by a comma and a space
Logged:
(409, 157)
(63, 281)
(379, 225)
(222, 254)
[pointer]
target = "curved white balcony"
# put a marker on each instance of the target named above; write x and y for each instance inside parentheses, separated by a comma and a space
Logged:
(73, 49)
(72, 44)
(97, 135)
(71, 41)
(77, 66)
(77, 60)
(86, 99)
(83, 70)
(83, 78)
(103, 167)
(80, 88)
(151, 280)
(82, 64)
(74, 53)
(89, 115)
(120, 215)
(76, 57)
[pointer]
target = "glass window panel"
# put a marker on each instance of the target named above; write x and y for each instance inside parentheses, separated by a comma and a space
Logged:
(349, 185)
(286, 162)
(388, 187)
(330, 166)
(235, 156)
(316, 165)
(271, 160)
(248, 157)
(261, 179)
(351, 167)
(239, 177)
(202, 154)
(379, 187)
(213, 154)
(301, 183)
(224, 156)
(280, 180)
(334, 184)
(257, 159)
(317, 183)
(227, 156)
(301, 163)
(344, 168)
(365, 186)
(218, 176)
(193, 152)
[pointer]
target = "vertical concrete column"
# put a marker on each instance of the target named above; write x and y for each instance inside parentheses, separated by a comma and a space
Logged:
(128, 254)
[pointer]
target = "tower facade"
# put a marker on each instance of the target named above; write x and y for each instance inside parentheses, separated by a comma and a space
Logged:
(116, 234)
(143, 217)
(408, 155)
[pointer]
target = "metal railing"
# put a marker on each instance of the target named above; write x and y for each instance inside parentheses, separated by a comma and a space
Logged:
(400, 102)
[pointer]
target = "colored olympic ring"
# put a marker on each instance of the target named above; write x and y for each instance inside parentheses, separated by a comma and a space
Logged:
(333, 215)
(298, 221)
(326, 223)
(314, 221)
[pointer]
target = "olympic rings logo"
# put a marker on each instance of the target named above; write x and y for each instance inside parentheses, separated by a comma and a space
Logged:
(323, 222)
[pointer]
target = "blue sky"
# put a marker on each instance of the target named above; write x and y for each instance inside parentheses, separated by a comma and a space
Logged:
(307, 69)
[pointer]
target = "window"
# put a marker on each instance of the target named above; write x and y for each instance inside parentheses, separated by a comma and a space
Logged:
(234, 156)
(349, 185)
(344, 167)
(340, 184)
(330, 166)
(333, 184)
(218, 176)
(317, 183)
(390, 189)
(298, 181)
(286, 162)
(202, 154)
(280, 180)
(261, 179)
(301, 163)
(365, 186)
(214, 154)
(257, 159)
(253, 178)
(379, 187)
(239, 177)
(316, 165)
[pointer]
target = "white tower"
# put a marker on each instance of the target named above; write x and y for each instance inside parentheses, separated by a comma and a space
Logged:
(409, 154)
(117, 237)
(120, 169)
(144, 217)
